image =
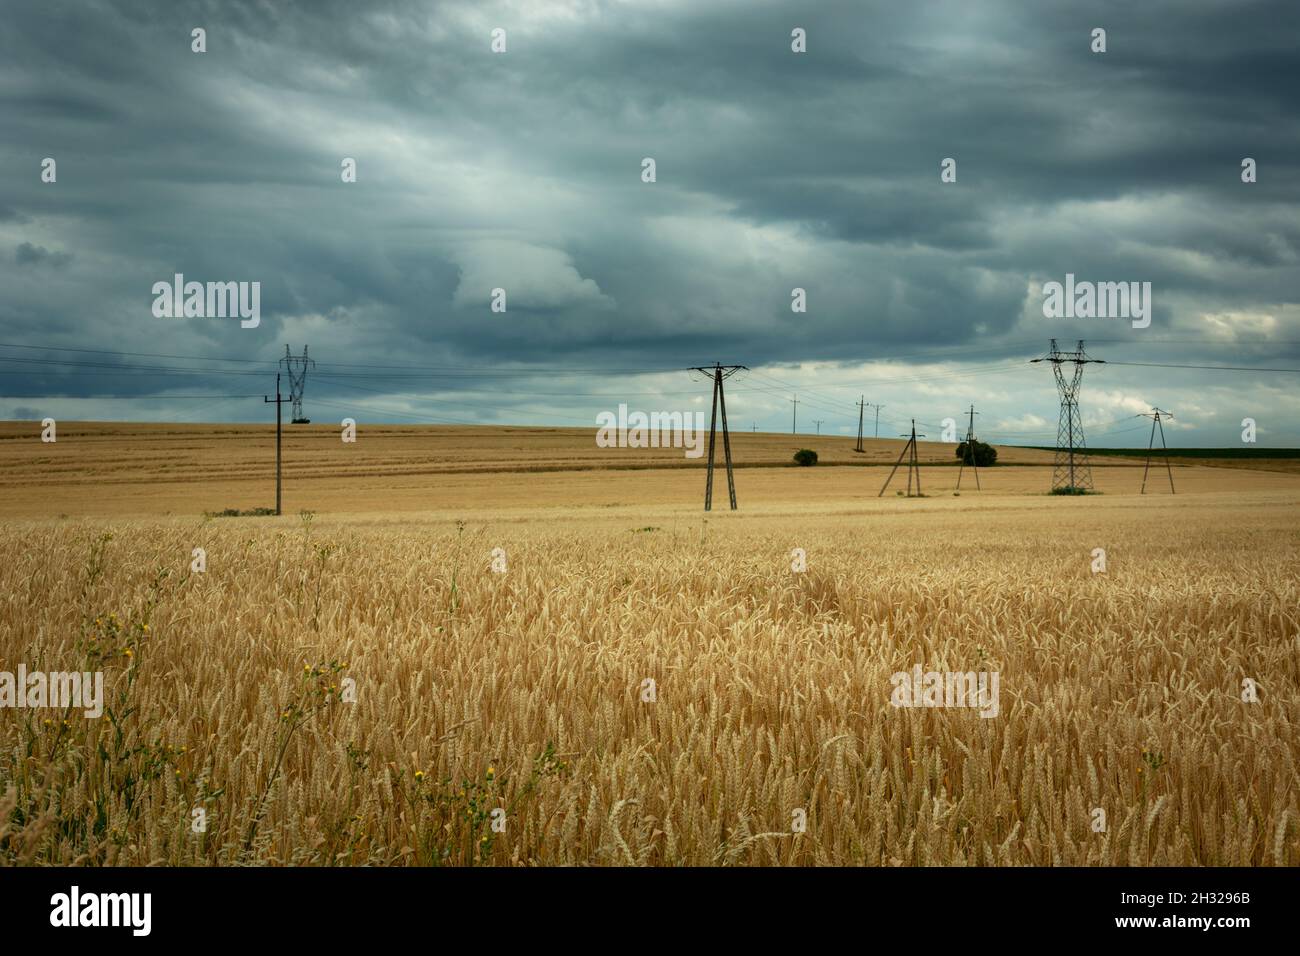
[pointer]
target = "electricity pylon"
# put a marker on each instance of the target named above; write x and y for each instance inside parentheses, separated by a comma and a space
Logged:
(862, 403)
(718, 374)
(913, 465)
(1072, 473)
(296, 366)
(1155, 416)
(970, 452)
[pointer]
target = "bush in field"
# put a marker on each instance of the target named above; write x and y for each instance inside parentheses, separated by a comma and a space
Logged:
(806, 457)
(985, 455)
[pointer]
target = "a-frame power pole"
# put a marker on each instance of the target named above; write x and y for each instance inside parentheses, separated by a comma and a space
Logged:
(719, 373)
(1155, 415)
(913, 465)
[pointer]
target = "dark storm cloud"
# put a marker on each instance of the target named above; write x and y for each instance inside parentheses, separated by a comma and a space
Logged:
(775, 171)
(27, 254)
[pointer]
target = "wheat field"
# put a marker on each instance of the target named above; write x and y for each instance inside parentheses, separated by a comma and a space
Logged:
(522, 689)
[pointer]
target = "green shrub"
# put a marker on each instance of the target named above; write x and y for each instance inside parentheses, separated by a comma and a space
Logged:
(985, 455)
(806, 457)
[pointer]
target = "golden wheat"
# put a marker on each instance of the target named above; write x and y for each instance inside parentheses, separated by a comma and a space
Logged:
(1119, 690)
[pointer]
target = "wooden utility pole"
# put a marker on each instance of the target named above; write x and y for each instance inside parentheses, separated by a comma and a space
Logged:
(818, 423)
(279, 404)
(862, 401)
(794, 416)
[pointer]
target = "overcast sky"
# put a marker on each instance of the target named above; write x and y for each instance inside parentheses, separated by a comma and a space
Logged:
(775, 170)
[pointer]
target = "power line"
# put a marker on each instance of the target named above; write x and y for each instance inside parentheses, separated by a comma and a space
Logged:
(501, 369)
(143, 398)
(197, 358)
(1144, 340)
(756, 383)
(418, 419)
(517, 369)
(1216, 368)
(442, 401)
(936, 350)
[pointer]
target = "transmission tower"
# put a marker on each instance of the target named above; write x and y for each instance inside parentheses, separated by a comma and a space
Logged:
(719, 373)
(1155, 415)
(1073, 473)
(862, 402)
(818, 423)
(913, 465)
(296, 367)
(794, 416)
(969, 457)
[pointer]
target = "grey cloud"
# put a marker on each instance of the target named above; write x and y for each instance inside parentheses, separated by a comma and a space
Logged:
(28, 255)
(522, 171)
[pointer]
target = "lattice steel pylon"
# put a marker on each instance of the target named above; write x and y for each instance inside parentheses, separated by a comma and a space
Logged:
(1073, 472)
(296, 367)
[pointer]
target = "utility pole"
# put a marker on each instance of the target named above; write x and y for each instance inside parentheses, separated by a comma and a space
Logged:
(719, 373)
(877, 408)
(1073, 473)
(818, 423)
(970, 452)
(1155, 416)
(794, 419)
(913, 465)
(279, 403)
(861, 406)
